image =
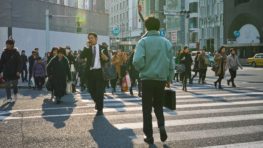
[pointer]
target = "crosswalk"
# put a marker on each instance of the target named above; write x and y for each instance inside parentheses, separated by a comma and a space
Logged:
(204, 117)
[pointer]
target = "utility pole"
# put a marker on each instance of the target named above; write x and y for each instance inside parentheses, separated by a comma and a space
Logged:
(47, 31)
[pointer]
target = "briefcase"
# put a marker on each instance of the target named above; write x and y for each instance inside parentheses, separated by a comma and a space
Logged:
(169, 99)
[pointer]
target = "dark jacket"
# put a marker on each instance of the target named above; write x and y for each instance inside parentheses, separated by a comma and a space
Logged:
(87, 54)
(39, 70)
(58, 73)
(31, 61)
(10, 64)
(134, 74)
(24, 61)
(186, 59)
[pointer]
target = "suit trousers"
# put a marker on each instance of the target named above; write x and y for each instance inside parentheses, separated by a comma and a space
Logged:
(152, 96)
(96, 87)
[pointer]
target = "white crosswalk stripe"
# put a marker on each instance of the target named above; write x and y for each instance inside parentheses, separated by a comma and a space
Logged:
(200, 107)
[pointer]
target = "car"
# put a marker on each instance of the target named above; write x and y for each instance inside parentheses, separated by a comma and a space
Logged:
(256, 60)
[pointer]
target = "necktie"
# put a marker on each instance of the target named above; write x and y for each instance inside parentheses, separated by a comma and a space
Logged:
(93, 55)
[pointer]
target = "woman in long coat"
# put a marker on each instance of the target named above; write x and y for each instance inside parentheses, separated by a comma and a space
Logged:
(186, 59)
(220, 62)
(59, 72)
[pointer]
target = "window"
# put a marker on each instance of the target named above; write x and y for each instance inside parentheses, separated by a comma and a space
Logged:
(193, 7)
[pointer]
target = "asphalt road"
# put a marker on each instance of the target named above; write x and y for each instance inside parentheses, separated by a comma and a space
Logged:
(205, 117)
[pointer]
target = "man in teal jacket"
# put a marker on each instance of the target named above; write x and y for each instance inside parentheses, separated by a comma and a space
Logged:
(153, 59)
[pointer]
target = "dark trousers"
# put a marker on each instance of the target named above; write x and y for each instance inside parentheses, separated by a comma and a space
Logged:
(24, 73)
(96, 87)
(202, 75)
(9, 84)
(30, 76)
(233, 74)
(152, 96)
(192, 79)
(39, 82)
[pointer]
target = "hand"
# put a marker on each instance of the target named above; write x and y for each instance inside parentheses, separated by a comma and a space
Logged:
(241, 68)
(18, 74)
(104, 57)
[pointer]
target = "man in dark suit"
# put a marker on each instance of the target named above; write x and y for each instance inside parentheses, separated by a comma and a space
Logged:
(96, 56)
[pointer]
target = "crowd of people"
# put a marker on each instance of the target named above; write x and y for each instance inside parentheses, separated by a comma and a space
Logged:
(150, 67)
(223, 62)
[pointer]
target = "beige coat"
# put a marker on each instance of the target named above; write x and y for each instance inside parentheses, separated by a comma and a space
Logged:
(219, 58)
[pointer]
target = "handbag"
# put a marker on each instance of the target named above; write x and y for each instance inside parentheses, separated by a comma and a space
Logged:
(108, 71)
(169, 100)
(215, 67)
(180, 68)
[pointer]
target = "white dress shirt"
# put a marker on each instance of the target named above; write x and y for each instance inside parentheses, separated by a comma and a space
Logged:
(97, 64)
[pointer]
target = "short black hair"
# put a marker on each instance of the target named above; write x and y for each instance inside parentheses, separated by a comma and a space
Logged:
(23, 51)
(10, 42)
(220, 49)
(93, 34)
(62, 50)
(152, 23)
(185, 47)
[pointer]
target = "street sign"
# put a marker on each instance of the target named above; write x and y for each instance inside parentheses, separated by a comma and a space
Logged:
(174, 36)
(162, 32)
(115, 31)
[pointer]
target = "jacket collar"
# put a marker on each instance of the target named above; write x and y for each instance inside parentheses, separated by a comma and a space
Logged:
(153, 33)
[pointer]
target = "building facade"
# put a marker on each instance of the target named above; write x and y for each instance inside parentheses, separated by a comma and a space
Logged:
(25, 22)
(124, 19)
(211, 24)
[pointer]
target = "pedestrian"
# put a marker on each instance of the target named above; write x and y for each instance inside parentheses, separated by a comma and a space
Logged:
(52, 54)
(196, 67)
(233, 64)
(186, 59)
(59, 72)
(115, 60)
(39, 73)
(72, 64)
(203, 63)
(177, 61)
(24, 66)
(220, 66)
(153, 59)
(32, 59)
(10, 65)
(96, 56)
(134, 75)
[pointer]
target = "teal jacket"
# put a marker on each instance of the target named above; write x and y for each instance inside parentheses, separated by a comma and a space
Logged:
(153, 58)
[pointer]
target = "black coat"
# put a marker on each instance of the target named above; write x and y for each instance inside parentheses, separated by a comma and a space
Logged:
(186, 59)
(10, 64)
(87, 54)
(58, 73)
(134, 74)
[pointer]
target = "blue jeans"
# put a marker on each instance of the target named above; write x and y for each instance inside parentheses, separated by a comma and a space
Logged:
(9, 84)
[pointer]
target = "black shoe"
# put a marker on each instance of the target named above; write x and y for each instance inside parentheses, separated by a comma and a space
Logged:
(99, 113)
(215, 83)
(228, 81)
(149, 140)
(131, 92)
(234, 85)
(220, 87)
(163, 135)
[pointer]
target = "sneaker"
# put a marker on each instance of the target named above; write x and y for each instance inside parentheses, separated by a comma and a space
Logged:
(163, 135)
(9, 100)
(149, 140)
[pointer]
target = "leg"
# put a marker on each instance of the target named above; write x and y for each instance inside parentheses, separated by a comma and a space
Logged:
(158, 108)
(147, 97)
(8, 89)
(100, 87)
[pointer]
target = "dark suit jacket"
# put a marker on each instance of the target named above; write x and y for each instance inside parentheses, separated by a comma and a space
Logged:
(87, 53)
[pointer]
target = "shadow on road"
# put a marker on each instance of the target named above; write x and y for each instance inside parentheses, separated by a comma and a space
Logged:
(106, 135)
(58, 113)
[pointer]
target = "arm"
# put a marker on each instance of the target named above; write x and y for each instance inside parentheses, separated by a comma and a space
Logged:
(139, 56)
(171, 65)
(238, 62)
